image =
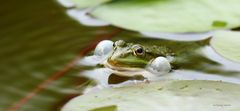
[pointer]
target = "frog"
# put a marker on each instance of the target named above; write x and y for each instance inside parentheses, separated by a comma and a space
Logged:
(131, 59)
(152, 62)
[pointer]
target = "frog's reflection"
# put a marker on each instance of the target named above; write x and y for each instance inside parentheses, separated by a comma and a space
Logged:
(105, 76)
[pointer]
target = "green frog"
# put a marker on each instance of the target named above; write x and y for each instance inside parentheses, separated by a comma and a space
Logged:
(130, 59)
(151, 62)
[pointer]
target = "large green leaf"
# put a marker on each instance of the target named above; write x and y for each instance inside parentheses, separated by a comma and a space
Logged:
(171, 15)
(88, 3)
(226, 43)
(162, 96)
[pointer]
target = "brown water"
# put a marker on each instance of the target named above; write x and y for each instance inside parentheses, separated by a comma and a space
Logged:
(39, 45)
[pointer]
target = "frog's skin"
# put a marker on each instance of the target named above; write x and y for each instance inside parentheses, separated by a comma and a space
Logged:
(131, 59)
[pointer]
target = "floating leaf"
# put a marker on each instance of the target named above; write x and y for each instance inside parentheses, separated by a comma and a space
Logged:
(171, 15)
(88, 3)
(163, 96)
(106, 108)
(227, 44)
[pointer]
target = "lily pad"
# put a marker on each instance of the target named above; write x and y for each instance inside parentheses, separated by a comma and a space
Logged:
(88, 3)
(226, 43)
(177, 16)
(163, 96)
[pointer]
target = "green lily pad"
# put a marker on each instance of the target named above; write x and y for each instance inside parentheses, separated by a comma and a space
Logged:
(177, 16)
(106, 108)
(163, 96)
(226, 43)
(88, 3)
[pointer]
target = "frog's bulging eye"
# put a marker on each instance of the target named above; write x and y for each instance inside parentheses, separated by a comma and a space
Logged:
(138, 50)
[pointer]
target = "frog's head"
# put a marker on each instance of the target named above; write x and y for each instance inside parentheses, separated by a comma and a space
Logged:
(128, 55)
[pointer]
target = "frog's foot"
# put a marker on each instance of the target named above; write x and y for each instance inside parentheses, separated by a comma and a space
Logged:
(159, 66)
(101, 53)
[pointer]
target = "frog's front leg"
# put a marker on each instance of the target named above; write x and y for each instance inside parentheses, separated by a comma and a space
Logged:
(159, 66)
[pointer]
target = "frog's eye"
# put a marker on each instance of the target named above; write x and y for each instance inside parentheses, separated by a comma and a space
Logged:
(119, 43)
(138, 50)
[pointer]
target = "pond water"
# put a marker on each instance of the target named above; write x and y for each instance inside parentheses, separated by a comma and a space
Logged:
(41, 44)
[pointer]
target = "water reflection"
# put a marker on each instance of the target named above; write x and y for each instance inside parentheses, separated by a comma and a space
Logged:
(101, 75)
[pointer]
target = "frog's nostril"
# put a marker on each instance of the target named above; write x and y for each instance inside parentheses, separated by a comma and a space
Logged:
(119, 43)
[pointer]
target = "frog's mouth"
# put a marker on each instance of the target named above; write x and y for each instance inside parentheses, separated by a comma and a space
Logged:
(130, 63)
